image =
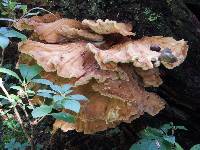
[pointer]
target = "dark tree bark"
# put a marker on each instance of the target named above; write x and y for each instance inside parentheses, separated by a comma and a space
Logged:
(181, 88)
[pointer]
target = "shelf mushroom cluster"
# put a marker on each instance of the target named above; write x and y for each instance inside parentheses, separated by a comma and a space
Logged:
(105, 65)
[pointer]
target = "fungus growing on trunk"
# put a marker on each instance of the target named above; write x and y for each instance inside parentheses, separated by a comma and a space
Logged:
(113, 80)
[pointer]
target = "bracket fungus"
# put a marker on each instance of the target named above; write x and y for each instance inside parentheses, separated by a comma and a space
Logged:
(113, 79)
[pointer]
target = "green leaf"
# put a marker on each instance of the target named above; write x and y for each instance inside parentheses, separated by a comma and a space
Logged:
(14, 145)
(65, 88)
(39, 147)
(145, 144)
(45, 95)
(67, 92)
(16, 87)
(71, 105)
(42, 81)
(46, 91)
(3, 97)
(24, 146)
(151, 144)
(166, 127)
(178, 147)
(24, 8)
(15, 97)
(4, 41)
(64, 116)
(41, 111)
(56, 88)
(30, 107)
(9, 72)
(4, 102)
(77, 97)
(30, 92)
(10, 145)
(170, 139)
(29, 72)
(181, 128)
(58, 105)
(8, 32)
(57, 98)
(151, 133)
(195, 147)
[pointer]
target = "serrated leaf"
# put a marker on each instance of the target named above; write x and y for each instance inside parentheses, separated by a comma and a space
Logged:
(77, 97)
(64, 116)
(57, 98)
(45, 95)
(29, 72)
(195, 147)
(9, 72)
(71, 105)
(41, 111)
(42, 81)
(4, 42)
(56, 88)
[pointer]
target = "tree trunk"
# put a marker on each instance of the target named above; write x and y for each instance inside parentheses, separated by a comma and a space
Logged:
(181, 87)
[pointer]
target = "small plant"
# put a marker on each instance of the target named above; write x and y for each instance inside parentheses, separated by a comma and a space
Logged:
(10, 128)
(8, 8)
(5, 34)
(60, 99)
(13, 145)
(151, 16)
(56, 98)
(158, 139)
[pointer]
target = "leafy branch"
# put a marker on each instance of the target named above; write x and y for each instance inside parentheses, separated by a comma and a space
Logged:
(59, 97)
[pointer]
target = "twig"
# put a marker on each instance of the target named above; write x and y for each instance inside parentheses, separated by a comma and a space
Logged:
(41, 119)
(2, 57)
(7, 19)
(22, 124)
(19, 119)
(36, 8)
